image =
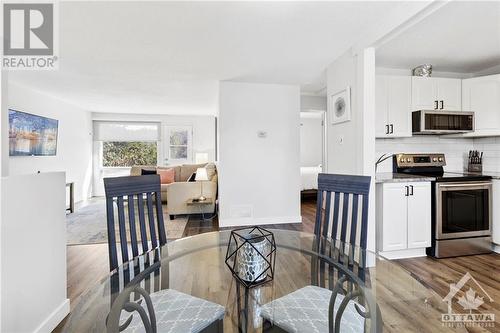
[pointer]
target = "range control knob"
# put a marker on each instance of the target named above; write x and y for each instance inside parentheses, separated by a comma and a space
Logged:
(440, 159)
(408, 160)
(434, 159)
(402, 160)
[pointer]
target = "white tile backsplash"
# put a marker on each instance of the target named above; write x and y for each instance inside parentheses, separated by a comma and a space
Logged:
(491, 156)
(455, 149)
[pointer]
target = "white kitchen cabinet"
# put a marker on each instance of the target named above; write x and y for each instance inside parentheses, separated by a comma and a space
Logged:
(419, 215)
(403, 217)
(482, 95)
(393, 102)
(436, 93)
(496, 211)
(394, 211)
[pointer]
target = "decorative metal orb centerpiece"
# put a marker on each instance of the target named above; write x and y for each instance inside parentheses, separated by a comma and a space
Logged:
(251, 255)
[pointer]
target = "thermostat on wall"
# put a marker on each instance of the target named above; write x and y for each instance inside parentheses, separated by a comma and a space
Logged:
(262, 134)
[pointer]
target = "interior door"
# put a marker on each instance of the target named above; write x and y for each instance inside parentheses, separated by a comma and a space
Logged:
(178, 144)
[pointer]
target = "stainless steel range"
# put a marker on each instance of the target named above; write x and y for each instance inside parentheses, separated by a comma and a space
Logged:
(461, 206)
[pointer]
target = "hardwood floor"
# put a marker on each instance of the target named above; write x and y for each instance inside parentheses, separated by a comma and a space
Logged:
(88, 264)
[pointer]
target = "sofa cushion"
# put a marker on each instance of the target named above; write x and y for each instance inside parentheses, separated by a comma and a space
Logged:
(211, 170)
(167, 176)
(188, 169)
(147, 172)
(136, 169)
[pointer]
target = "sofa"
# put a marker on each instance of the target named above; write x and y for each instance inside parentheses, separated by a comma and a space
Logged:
(176, 194)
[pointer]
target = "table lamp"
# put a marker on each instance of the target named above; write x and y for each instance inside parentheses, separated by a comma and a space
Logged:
(201, 175)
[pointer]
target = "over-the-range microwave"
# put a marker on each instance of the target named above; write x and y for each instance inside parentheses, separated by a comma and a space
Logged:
(442, 122)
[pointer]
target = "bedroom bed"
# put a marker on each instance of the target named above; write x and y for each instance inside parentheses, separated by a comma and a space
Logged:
(309, 180)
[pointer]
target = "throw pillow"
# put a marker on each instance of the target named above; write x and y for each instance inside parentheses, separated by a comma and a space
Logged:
(147, 172)
(167, 176)
(211, 170)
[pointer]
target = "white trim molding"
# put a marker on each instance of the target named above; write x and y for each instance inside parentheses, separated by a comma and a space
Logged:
(51, 322)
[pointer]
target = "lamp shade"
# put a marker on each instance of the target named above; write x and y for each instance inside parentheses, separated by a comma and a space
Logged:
(201, 174)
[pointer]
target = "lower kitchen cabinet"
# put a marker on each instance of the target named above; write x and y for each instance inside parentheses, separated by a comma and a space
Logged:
(403, 219)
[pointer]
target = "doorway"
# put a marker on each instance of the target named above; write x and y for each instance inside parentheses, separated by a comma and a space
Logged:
(312, 151)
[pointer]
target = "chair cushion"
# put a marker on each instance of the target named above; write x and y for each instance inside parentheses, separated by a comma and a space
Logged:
(306, 310)
(177, 312)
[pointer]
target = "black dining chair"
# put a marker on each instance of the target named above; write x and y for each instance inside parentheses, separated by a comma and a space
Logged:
(341, 225)
(139, 283)
(137, 192)
(341, 233)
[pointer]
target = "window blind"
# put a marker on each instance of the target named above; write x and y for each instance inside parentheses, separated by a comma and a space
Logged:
(126, 131)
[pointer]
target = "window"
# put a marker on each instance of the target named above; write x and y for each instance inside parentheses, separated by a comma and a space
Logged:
(127, 154)
(125, 144)
(179, 144)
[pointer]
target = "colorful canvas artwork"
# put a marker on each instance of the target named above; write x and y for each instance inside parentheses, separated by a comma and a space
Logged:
(31, 135)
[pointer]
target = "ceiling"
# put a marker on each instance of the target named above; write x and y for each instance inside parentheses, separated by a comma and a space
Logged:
(461, 37)
(167, 57)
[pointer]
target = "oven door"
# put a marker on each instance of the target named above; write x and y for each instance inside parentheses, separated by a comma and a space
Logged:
(463, 209)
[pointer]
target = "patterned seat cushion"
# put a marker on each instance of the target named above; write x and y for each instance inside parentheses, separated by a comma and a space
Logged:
(306, 310)
(176, 312)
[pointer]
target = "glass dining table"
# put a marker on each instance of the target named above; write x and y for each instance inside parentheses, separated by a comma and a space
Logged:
(317, 286)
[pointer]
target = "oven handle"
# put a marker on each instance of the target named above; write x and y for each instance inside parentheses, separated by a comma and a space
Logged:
(475, 184)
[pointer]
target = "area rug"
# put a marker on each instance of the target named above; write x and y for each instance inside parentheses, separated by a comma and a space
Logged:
(87, 225)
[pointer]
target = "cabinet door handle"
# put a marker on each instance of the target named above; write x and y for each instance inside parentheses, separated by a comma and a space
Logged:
(392, 128)
(436, 105)
(411, 189)
(407, 191)
(386, 129)
(442, 105)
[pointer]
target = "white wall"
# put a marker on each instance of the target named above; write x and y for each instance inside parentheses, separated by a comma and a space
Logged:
(311, 139)
(351, 145)
(259, 179)
(74, 141)
(203, 140)
(308, 103)
(33, 247)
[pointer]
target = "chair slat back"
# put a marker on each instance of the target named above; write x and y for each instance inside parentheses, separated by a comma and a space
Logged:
(152, 232)
(340, 198)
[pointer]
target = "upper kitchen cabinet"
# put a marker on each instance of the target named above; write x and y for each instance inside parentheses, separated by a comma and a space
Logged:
(393, 102)
(436, 93)
(482, 95)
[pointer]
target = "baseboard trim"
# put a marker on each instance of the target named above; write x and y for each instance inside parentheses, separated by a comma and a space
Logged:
(54, 318)
(495, 248)
(247, 221)
(403, 254)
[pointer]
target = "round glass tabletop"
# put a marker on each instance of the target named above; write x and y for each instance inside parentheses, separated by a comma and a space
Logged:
(312, 285)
